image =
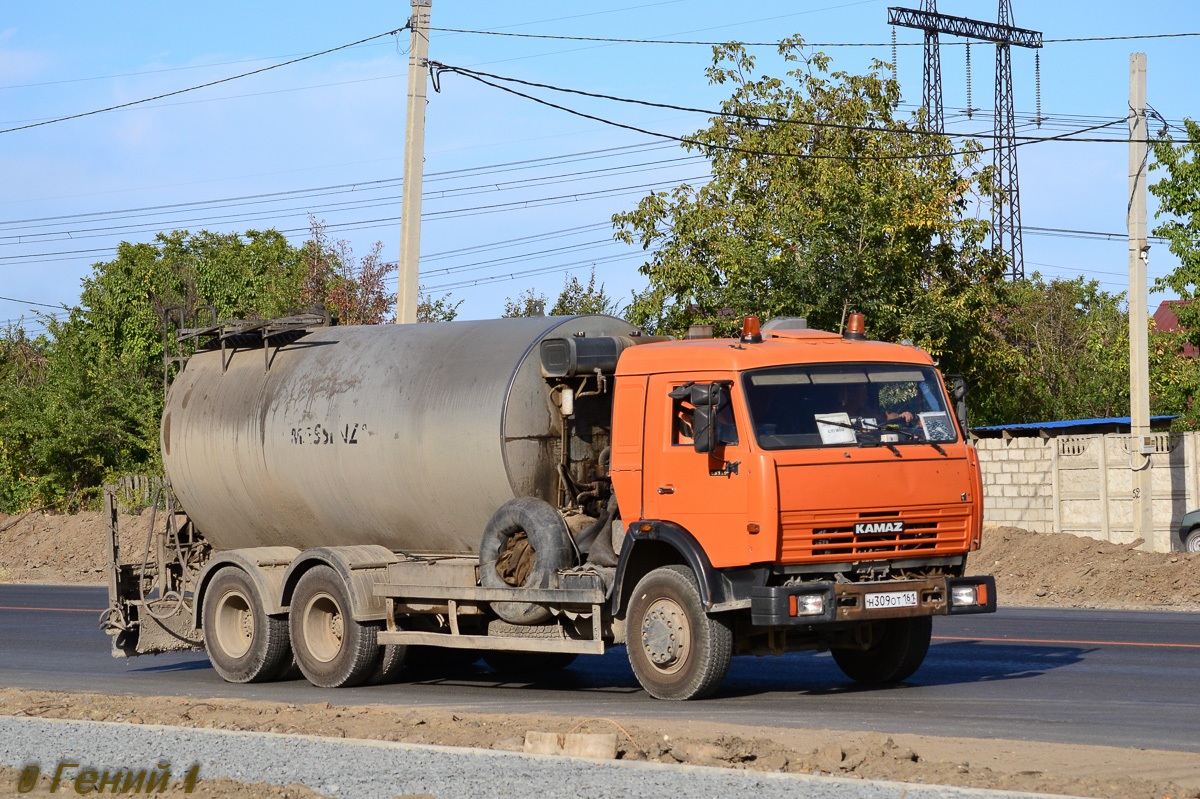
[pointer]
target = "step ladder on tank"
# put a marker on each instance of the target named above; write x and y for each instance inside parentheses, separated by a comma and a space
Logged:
(184, 332)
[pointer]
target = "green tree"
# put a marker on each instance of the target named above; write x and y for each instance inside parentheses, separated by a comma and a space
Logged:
(822, 202)
(1058, 350)
(82, 404)
(1178, 193)
(576, 298)
(1175, 377)
(351, 288)
(440, 309)
(528, 303)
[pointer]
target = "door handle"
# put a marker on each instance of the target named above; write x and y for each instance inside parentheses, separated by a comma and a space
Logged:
(666, 490)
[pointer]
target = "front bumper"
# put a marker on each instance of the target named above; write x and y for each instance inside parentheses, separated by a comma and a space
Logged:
(785, 605)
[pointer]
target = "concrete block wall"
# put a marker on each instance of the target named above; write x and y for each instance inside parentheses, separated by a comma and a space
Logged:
(1018, 482)
(1082, 484)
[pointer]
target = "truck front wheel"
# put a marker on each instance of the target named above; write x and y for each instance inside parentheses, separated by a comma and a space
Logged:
(676, 649)
(332, 649)
(244, 644)
(896, 651)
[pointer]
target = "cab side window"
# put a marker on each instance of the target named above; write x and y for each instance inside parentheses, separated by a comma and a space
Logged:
(726, 424)
(681, 423)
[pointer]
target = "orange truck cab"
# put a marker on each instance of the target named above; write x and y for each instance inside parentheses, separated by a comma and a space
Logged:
(818, 488)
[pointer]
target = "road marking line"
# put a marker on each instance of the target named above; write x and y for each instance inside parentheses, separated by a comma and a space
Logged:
(1051, 641)
(63, 610)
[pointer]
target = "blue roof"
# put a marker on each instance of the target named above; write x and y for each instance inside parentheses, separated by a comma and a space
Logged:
(1112, 420)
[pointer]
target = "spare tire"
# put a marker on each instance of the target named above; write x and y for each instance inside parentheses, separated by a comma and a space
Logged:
(524, 545)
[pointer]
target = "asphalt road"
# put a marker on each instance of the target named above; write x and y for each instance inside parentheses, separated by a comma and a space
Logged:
(1118, 678)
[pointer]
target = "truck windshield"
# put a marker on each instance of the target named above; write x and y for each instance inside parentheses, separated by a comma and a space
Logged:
(847, 405)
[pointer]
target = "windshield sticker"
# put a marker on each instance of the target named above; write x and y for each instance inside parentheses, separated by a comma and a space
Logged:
(839, 432)
(937, 426)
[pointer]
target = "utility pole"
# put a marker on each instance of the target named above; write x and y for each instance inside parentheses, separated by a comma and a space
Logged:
(1139, 366)
(408, 285)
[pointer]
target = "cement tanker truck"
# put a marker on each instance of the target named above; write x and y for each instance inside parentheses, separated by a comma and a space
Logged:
(530, 490)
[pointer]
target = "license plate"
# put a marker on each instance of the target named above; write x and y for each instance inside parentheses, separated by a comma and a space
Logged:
(892, 599)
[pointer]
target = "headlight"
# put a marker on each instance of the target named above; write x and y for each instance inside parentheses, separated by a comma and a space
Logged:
(964, 595)
(807, 605)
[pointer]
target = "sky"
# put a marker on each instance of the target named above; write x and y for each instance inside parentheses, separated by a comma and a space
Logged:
(516, 195)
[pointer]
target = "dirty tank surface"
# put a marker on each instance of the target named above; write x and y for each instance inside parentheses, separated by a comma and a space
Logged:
(407, 436)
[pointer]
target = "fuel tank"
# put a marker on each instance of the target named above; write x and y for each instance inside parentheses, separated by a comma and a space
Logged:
(407, 436)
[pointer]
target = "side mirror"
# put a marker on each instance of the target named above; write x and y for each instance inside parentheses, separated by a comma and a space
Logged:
(708, 399)
(958, 393)
(704, 429)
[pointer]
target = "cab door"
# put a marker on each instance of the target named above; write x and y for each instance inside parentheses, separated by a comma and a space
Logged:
(704, 493)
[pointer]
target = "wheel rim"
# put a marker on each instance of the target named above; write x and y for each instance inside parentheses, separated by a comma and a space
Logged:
(1193, 544)
(324, 627)
(235, 624)
(666, 635)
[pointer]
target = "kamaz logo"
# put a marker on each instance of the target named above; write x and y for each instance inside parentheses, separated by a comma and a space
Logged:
(873, 528)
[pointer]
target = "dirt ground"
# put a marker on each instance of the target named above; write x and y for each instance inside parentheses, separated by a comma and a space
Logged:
(1030, 570)
(60, 548)
(1013, 765)
(1063, 570)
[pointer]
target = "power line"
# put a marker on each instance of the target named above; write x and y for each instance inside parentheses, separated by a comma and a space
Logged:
(203, 85)
(143, 72)
(450, 213)
(76, 234)
(286, 55)
(368, 185)
(539, 271)
(478, 76)
(753, 117)
(1084, 234)
(225, 97)
(477, 265)
(505, 166)
(29, 302)
(499, 245)
(777, 43)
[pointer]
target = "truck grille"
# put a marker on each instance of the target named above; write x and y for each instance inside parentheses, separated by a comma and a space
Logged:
(825, 536)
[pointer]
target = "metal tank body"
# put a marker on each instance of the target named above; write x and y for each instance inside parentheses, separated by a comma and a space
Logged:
(408, 436)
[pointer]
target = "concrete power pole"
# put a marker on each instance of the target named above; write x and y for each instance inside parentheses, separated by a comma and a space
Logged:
(1139, 367)
(414, 164)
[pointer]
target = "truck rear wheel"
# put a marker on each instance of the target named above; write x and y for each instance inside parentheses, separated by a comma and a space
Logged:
(676, 649)
(332, 649)
(516, 664)
(391, 661)
(244, 644)
(895, 654)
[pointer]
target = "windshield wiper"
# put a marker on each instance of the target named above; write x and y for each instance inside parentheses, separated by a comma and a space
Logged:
(926, 439)
(867, 432)
(876, 432)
